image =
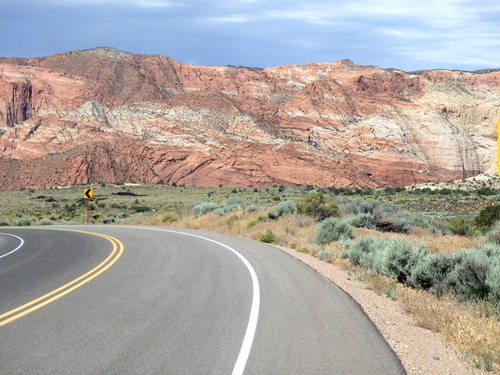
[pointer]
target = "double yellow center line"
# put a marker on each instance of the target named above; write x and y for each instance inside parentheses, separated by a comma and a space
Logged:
(69, 287)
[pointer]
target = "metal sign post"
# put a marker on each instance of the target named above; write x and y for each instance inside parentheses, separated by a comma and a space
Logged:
(87, 194)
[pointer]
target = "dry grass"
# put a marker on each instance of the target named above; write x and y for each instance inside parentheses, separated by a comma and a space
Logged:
(474, 328)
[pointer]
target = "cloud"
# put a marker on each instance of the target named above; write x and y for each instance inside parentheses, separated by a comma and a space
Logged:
(389, 33)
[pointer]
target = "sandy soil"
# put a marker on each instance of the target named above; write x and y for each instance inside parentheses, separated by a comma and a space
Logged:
(421, 351)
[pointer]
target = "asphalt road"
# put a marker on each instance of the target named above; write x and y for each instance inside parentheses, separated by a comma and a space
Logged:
(174, 303)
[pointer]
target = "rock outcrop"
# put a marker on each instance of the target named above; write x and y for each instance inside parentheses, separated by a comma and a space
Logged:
(106, 115)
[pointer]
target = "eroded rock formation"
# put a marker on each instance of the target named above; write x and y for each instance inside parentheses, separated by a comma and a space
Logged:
(106, 115)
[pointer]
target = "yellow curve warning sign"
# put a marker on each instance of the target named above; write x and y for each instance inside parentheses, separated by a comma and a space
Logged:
(87, 193)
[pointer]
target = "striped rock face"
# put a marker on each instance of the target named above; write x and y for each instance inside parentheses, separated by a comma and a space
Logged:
(106, 115)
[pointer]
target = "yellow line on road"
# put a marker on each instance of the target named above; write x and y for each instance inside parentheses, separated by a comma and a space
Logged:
(69, 287)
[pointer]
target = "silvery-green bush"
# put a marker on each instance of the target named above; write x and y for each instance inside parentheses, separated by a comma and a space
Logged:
(333, 229)
(285, 208)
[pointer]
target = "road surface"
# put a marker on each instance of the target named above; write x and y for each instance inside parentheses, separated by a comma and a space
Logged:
(123, 300)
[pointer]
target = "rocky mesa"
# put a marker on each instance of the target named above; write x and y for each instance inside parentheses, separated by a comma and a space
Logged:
(107, 115)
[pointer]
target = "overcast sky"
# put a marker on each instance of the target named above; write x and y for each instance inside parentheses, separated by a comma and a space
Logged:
(407, 35)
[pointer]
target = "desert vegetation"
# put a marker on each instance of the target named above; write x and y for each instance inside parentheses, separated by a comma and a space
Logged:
(435, 250)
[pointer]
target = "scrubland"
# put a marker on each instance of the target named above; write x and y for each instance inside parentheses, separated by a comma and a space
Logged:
(435, 251)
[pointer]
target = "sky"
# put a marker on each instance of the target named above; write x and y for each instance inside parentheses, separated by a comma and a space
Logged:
(406, 35)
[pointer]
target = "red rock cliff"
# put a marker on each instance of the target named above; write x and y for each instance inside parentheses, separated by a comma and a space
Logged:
(107, 115)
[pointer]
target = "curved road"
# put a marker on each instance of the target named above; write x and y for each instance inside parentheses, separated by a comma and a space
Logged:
(156, 301)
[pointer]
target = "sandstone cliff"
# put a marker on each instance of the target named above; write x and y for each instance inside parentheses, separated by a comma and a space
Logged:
(107, 115)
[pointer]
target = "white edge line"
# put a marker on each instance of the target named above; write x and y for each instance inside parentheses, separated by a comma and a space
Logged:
(17, 248)
(246, 346)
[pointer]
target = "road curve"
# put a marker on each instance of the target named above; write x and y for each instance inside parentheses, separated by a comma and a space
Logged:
(177, 302)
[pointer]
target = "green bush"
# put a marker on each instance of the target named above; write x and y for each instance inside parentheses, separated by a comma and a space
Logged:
(4, 223)
(251, 208)
(285, 208)
(333, 229)
(253, 223)
(459, 225)
(323, 254)
(272, 215)
(169, 218)
(388, 219)
(402, 258)
(108, 220)
(138, 209)
(471, 274)
(488, 216)
(45, 222)
(368, 252)
(203, 208)
(468, 279)
(315, 205)
(269, 237)
(24, 222)
(361, 220)
(432, 272)
(494, 233)
(485, 191)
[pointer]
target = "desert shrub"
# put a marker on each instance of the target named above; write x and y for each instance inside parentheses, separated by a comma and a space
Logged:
(361, 220)
(220, 211)
(108, 220)
(169, 218)
(355, 206)
(285, 208)
(269, 237)
(402, 258)
(368, 252)
(333, 229)
(251, 208)
(4, 223)
(323, 254)
(45, 222)
(488, 216)
(68, 222)
(253, 223)
(432, 272)
(315, 205)
(272, 215)
(468, 279)
(493, 283)
(459, 225)
(485, 191)
(388, 219)
(203, 208)
(138, 208)
(24, 222)
(494, 234)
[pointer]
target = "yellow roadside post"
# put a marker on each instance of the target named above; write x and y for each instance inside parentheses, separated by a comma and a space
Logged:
(87, 194)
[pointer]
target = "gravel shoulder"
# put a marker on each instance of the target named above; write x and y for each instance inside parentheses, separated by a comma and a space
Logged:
(420, 350)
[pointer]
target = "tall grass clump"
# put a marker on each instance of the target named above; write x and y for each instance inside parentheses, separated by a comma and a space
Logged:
(333, 229)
